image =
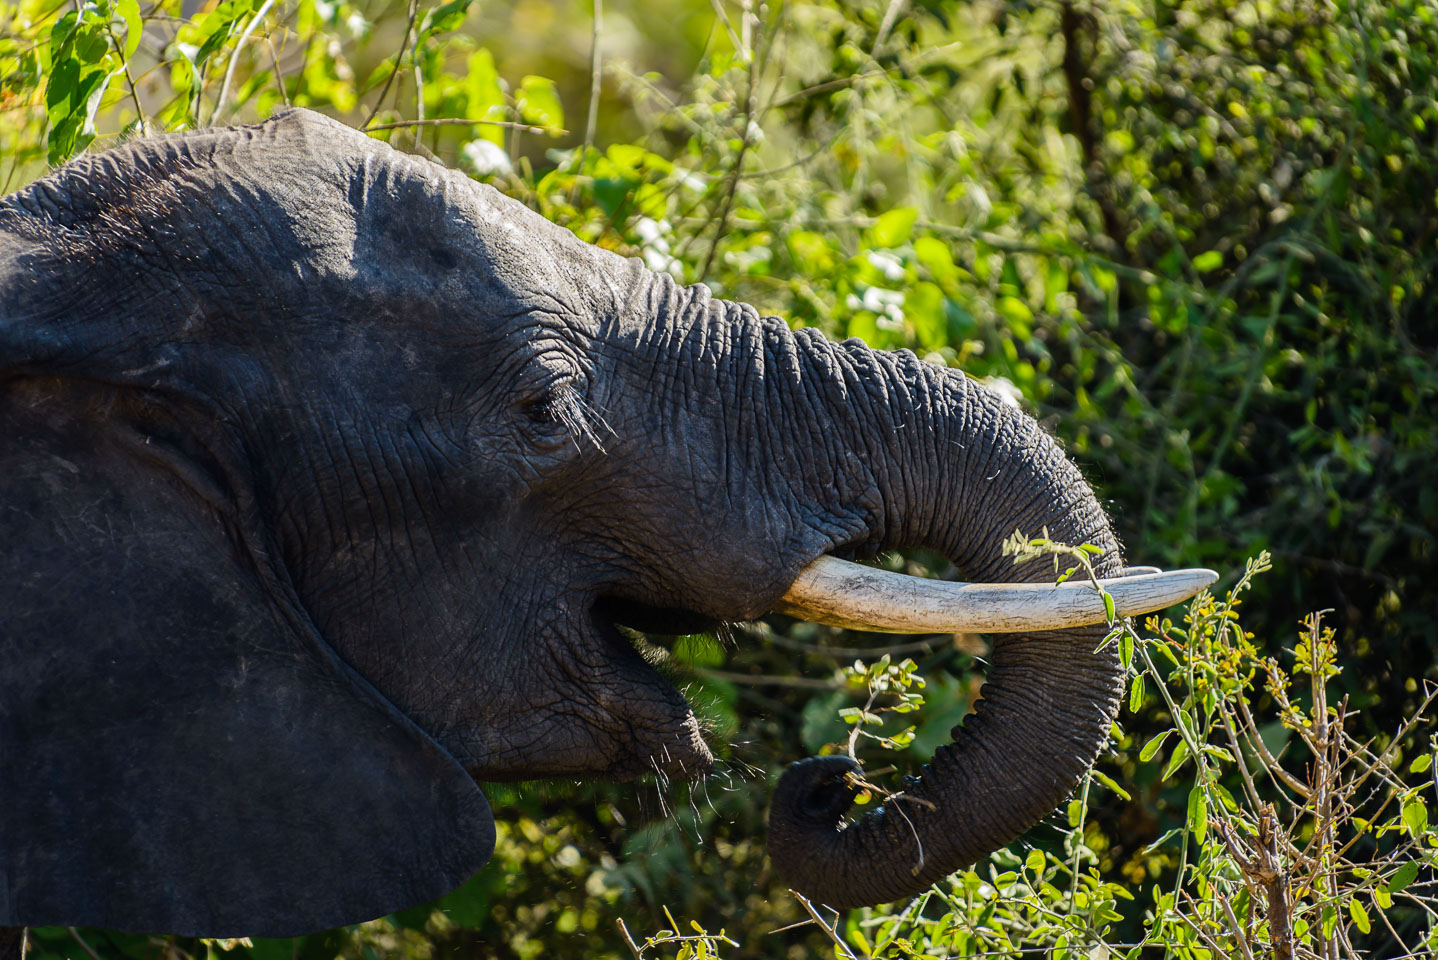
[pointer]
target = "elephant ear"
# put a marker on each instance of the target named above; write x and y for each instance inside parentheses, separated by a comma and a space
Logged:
(181, 751)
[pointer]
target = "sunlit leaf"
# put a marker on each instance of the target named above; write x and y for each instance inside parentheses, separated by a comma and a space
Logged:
(1198, 813)
(1155, 743)
(893, 228)
(539, 102)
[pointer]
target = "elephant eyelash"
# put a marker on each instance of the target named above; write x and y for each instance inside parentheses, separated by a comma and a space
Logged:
(566, 407)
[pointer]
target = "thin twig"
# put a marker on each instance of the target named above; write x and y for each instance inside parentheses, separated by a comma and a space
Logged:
(419, 123)
(633, 947)
(1269, 761)
(840, 947)
(718, 6)
(89, 951)
(235, 58)
(737, 171)
(125, 65)
(279, 74)
(595, 77)
(460, 121)
(403, 44)
(890, 16)
(1249, 787)
(1202, 933)
(1240, 935)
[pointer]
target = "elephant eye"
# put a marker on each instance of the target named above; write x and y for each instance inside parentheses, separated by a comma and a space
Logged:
(558, 415)
(547, 410)
(550, 406)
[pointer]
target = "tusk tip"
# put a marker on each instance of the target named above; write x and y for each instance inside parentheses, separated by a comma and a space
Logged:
(1146, 592)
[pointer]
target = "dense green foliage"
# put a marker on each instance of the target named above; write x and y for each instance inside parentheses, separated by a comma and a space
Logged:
(1197, 238)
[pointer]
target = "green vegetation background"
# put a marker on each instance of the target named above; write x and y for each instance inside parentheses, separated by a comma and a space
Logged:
(1196, 238)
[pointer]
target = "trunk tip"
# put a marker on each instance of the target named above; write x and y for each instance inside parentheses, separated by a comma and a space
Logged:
(806, 820)
(819, 790)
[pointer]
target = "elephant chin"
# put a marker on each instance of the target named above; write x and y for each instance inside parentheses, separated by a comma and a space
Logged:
(681, 755)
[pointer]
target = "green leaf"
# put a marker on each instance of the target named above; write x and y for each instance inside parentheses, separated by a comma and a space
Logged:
(1152, 747)
(1035, 862)
(1180, 754)
(812, 252)
(1108, 607)
(924, 307)
(1330, 921)
(1359, 915)
(445, 18)
(72, 115)
(1403, 876)
(1017, 313)
(218, 24)
(937, 257)
(539, 102)
(893, 228)
(484, 98)
(1166, 653)
(1108, 782)
(1207, 262)
(1415, 816)
(1198, 813)
(1224, 796)
(1164, 838)
(1136, 694)
(1420, 764)
(129, 11)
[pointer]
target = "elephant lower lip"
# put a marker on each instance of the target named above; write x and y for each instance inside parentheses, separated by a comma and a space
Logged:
(663, 735)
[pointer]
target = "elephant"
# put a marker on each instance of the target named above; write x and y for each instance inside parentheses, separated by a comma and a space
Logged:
(328, 477)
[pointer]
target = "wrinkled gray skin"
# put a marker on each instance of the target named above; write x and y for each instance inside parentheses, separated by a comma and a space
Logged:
(327, 473)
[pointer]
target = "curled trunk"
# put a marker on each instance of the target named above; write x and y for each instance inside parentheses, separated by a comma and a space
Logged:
(968, 471)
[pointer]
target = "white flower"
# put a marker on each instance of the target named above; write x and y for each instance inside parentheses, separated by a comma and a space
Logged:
(886, 305)
(651, 232)
(880, 300)
(654, 245)
(886, 263)
(1006, 390)
(691, 180)
(484, 157)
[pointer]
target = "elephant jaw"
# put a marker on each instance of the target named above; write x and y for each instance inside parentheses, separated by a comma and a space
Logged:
(844, 594)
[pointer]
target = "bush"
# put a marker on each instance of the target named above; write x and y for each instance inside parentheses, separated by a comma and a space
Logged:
(1197, 239)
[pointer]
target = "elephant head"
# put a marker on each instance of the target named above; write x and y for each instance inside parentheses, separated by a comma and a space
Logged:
(327, 478)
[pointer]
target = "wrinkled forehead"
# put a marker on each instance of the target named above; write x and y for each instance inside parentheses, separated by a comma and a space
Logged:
(470, 236)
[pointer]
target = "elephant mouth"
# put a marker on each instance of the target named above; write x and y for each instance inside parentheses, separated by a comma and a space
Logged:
(647, 619)
(666, 739)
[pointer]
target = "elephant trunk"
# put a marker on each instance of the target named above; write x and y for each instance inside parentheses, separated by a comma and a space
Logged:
(963, 471)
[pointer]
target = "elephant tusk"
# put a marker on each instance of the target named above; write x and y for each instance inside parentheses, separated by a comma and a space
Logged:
(844, 594)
